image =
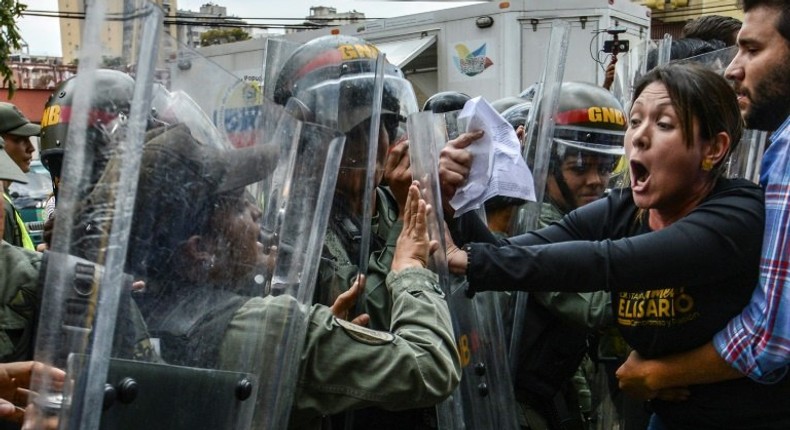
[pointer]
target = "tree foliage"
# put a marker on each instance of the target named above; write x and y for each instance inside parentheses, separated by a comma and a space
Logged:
(10, 39)
(219, 36)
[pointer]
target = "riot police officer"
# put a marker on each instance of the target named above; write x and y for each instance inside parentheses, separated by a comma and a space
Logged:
(338, 89)
(344, 78)
(587, 145)
(194, 242)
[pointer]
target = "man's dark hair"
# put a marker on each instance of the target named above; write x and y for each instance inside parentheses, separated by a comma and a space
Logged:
(783, 23)
(709, 27)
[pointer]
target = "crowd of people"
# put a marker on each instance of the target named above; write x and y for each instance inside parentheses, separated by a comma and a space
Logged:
(656, 282)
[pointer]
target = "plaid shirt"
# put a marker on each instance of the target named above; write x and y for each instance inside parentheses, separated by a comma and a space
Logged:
(757, 342)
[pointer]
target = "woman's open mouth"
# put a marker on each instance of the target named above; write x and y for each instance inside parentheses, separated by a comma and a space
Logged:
(639, 176)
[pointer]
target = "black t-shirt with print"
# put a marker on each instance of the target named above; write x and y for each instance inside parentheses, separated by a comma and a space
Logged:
(672, 289)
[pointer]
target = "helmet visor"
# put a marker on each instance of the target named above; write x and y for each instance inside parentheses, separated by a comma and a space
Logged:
(346, 102)
(585, 139)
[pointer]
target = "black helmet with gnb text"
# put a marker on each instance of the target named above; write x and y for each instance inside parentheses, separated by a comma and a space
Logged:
(112, 94)
(330, 80)
(589, 118)
(589, 126)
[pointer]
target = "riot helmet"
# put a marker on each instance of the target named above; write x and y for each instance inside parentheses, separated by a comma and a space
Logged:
(518, 115)
(529, 92)
(337, 72)
(503, 104)
(112, 94)
(588, 140)
(446, 101)
(331, 81)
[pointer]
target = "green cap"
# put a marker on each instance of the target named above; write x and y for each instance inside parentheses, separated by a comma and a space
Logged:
(9, 171)
(13, 122)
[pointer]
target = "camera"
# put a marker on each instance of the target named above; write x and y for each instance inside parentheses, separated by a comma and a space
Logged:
(615, 46)
(616, 30)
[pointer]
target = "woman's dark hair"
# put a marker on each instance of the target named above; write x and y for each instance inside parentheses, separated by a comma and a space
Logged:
(698, 93)
(783, 22)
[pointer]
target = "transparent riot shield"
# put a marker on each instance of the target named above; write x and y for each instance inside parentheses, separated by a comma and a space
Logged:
(272, 193)
(540, 128)
(359, 93)
(152, 304)
(538, 140)
(717, 60)
(292, 185)
(306, 202)
(628, 69)
(353, 89)
(484, 399)
(86, 298)
(664, 50)
(745, 161)
(278, 51)
(348, 104)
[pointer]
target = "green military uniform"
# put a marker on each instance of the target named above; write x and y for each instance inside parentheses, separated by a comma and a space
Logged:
(590, 311)
(587, 312)
(337, 272)
(344, 366)
(21, 297)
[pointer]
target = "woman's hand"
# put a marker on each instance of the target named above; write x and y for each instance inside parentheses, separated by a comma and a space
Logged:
(456, 257)
(414, 245)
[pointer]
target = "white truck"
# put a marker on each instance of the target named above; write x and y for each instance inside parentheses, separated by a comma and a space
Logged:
(493, 49)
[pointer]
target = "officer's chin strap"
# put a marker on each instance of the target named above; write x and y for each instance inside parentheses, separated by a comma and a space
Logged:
(568, 204)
